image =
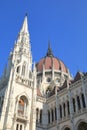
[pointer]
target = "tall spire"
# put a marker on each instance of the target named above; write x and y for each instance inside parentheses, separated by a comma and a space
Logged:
(23, 35)
(25, 25)
(49, 51)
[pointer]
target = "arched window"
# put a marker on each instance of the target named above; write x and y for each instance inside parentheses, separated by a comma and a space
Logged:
(83, 100)
(82, 126)
(48, 116)
(52, 115)
(18, 69)
(74, 108)
(78, 102)
(55, 114)
(40, 116)
(64, 109)
(20, 127)
(68, 108)
(22, 106)
(60, 111)
(17, 126)
(37, 115)
(67, 128)
(48, 92)
(48, 79)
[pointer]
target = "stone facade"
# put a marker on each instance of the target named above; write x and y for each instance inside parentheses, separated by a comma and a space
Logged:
(43, 98)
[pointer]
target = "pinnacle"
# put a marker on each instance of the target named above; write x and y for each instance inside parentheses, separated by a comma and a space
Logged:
(49, 51)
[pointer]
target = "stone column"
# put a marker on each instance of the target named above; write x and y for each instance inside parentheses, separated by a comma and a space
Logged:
(57, 111)
(50, 117)
(39, 116)
(27, 126)
(71, 110)
(66, 109)
(17, 107)
(53, 72)
(76, 104)
(43, 76)
(25, 110)
(54, 114)
(62, 111)
(14, 124)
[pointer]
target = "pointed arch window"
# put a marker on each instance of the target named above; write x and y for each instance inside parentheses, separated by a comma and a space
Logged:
(83, 100)
(55, 113)
(52, 115)
(37, 115)
(48, 116)
(41, 116)
(74, 108)
(64, 109)
(78, 102)
(60, 111)
(18, 69)
(68, 107)
(17, 126)
(22, 106)
(20, 127)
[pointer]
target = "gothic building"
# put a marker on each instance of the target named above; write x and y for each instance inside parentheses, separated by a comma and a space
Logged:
(42, 97)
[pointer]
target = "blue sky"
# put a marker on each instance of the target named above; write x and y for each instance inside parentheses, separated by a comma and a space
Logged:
(63, 22)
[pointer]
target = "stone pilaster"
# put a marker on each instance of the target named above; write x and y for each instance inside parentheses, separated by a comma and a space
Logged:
(84, 90)
(76, 106)
(57, 111)
(71, 107)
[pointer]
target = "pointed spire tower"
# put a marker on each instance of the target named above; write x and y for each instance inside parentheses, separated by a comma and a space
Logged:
(24, 32)
(22, 49)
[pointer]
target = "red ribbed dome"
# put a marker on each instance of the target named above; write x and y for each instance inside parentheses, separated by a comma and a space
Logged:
(50, 61)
